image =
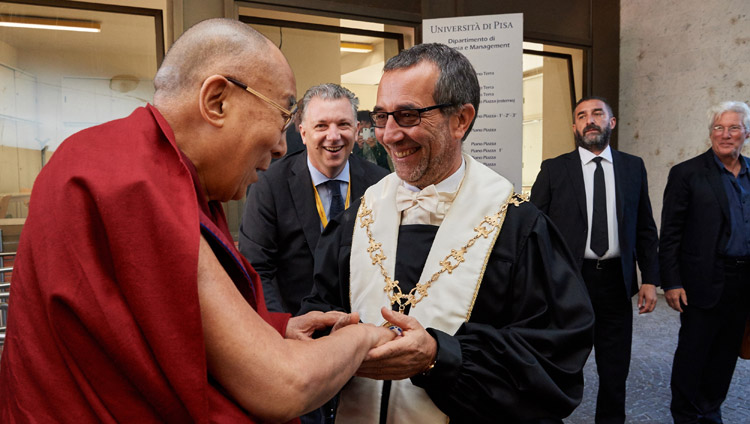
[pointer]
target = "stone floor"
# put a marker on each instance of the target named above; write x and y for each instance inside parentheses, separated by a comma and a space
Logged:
(654, 342)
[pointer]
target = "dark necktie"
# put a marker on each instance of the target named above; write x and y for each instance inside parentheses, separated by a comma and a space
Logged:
(599, 237)
(337, 203)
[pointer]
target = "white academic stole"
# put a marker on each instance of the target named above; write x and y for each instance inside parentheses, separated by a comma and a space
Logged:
(483, 194)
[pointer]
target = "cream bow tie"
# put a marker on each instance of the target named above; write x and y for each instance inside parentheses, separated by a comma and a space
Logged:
(427, 198)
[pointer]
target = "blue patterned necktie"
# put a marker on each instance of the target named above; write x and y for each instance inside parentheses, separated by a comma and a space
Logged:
(337, 202)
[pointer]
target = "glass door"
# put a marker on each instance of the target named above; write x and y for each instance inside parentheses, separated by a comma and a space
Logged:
(551, 84)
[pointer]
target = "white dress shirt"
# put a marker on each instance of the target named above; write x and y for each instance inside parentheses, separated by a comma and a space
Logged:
(447, 190)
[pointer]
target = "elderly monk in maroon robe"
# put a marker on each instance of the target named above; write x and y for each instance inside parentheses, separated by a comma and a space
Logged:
(130, 302)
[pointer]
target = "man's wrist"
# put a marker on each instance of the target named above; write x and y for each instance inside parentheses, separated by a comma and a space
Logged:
(435, 346)
(671, 288)
(447, 361)
(426, 372)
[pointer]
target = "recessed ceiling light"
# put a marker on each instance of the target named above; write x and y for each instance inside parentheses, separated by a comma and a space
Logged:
(39, 22)
(347, 46)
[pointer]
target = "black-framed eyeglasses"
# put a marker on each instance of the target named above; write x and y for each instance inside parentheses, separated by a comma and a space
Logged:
(286, 113)
(403, 117)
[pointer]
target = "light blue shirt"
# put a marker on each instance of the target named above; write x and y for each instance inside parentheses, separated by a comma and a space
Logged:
(325, 196)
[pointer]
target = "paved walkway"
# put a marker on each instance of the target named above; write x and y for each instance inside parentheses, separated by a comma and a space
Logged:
(654, 342)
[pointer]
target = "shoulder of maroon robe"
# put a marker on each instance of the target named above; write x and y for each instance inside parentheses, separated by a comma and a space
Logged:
(106, 321)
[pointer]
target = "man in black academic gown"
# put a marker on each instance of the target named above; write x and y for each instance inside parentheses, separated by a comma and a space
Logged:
(495, 320)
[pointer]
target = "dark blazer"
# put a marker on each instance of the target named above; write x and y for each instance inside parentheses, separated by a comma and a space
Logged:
(694, 227)
(281, 227)
(559, 192)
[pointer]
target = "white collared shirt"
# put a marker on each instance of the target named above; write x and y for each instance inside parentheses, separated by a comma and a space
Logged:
(447, 191)
(448, 185)
(325, 195)
(589, 166)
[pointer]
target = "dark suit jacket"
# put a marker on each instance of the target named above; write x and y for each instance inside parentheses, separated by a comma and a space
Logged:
(559, 192)
(695, 227)
(281, 227)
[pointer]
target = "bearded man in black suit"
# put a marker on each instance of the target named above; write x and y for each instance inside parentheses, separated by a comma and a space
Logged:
(598, 198)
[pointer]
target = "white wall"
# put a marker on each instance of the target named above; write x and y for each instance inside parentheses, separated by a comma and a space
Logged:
(323, 66)
(8, 54)
(58, 100)
(677, 58)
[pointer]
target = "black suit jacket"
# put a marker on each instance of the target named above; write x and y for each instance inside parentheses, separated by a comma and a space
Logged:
(695, 227)
(559, 192)
(281, 227)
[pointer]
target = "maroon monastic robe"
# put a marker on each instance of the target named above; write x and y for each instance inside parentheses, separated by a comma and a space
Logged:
(104, 320)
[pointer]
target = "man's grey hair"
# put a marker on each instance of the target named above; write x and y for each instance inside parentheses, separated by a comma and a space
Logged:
(457, 83)
(741, 108)
(327, 91)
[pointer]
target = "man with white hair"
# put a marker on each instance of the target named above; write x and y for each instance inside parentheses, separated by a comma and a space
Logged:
(704, 257)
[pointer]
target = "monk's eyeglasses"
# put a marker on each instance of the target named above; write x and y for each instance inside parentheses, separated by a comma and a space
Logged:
(286, 113)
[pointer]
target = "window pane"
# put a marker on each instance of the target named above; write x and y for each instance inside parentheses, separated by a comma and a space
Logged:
(57, 82)
(549, 92)
(54, 83)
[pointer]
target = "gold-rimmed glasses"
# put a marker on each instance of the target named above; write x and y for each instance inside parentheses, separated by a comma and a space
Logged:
(286, 113)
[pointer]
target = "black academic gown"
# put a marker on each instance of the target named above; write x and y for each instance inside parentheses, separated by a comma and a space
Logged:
(520, 356)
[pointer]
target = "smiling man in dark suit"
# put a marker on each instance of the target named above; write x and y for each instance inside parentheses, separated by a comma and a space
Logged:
(598, 198)
(705, 264)
(291, 203)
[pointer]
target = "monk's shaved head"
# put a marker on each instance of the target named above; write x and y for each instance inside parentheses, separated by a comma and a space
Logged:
(214, 46)
(228, 133)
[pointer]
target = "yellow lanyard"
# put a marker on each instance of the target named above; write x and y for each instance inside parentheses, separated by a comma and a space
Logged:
(319, 203)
